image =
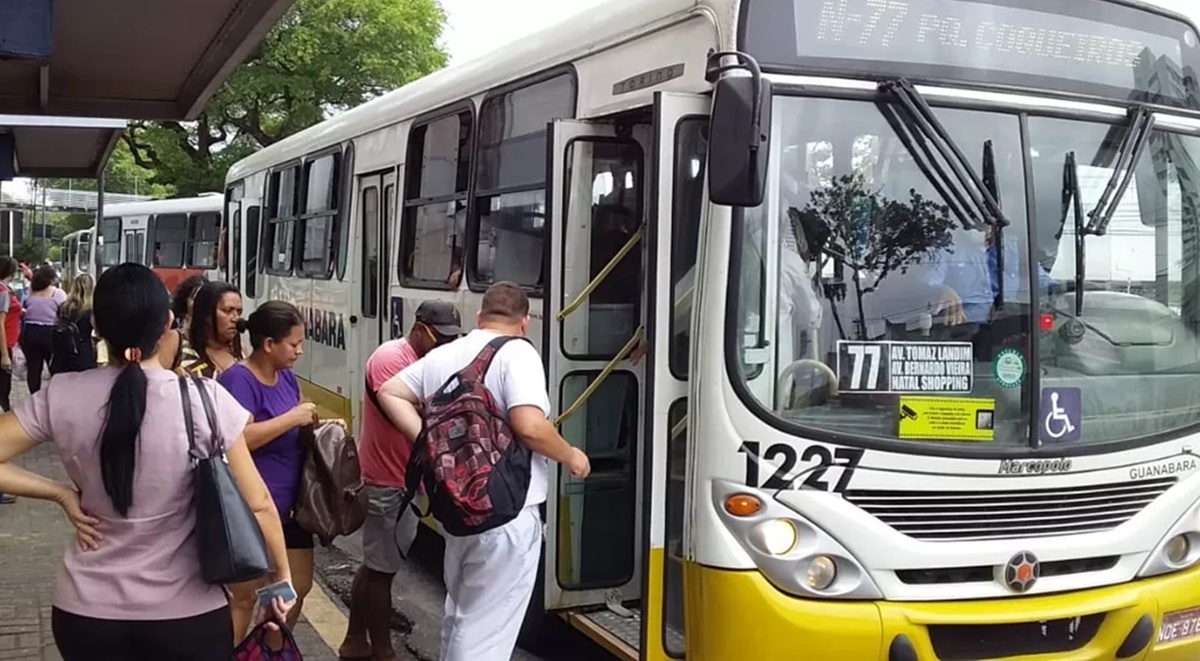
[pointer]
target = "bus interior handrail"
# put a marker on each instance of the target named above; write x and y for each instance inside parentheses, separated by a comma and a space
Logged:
(604, 273)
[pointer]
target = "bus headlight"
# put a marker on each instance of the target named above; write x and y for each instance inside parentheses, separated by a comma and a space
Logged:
(776, 536)
(1178, 549)
(793, 553)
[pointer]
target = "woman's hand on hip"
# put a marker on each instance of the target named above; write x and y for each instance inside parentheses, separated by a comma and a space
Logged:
(86, 534)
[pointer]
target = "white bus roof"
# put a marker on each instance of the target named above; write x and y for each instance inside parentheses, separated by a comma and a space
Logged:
(593, 30)
(206, 202)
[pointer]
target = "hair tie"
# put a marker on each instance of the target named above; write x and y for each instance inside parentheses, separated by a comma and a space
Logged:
(133, 355)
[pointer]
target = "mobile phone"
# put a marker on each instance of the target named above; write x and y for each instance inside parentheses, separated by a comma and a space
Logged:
(282, 589)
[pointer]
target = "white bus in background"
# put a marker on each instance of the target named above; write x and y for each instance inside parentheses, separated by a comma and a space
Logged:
(997, 461)
(177, 238)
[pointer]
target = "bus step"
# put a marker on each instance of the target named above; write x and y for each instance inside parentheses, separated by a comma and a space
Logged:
(619, 635)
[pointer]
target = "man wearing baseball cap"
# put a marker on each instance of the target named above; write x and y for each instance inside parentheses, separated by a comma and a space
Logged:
(383, 456)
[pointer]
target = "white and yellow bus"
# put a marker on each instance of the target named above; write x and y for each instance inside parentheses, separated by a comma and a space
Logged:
(919, 282)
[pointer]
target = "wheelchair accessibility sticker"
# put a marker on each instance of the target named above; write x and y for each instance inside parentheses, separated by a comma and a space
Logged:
(1061, 414)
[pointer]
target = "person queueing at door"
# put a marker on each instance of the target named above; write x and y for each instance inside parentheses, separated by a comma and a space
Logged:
(267, 387)
(215, 333)
(41, 315)
(383, 454)
(11, 310)
(490, 576)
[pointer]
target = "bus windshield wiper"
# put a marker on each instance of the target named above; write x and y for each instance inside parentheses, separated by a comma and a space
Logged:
(1141, 127)
(1070, 193)
(944, 163)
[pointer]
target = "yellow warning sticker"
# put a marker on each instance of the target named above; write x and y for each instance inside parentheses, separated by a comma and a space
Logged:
(947, 418)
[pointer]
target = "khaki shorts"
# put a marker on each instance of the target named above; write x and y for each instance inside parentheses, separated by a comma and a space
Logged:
(386, 543)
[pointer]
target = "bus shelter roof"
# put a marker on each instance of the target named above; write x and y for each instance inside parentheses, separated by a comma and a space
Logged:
(61, 146)
(132, 59)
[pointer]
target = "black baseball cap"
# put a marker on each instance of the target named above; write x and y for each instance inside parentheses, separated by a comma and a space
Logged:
(441, 316)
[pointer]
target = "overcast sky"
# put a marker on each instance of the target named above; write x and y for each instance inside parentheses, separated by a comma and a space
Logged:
(477, 27)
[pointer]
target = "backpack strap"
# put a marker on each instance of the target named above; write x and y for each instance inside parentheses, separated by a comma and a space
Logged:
(477, 369)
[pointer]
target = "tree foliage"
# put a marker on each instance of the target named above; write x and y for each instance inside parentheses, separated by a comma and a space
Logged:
(122, 175)
(323, 56)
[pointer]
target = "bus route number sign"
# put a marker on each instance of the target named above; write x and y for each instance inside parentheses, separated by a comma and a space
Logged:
(905, 367)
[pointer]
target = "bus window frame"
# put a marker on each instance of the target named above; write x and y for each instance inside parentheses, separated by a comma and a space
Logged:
(413, 201)
(253, 232)
(474, 215)
(189, 256)
(103, 249)
(153, 241)
(368, 303)
(273, 220)
(332, 213)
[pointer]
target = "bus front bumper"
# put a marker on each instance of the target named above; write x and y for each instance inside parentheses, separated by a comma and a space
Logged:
(739, 615)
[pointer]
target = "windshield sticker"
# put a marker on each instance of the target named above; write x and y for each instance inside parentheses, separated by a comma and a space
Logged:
(1009, 368)
(1061, 414)
(1164, 469)
(905, 367)
(947, 418)
(1034, 466)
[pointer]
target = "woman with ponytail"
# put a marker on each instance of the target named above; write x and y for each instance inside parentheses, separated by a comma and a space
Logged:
(130, 587)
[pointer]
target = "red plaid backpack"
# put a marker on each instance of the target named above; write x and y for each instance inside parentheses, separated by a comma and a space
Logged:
(475, 470)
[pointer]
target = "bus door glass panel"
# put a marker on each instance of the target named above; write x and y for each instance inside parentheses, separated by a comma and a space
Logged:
(688, 148)
(252, 259)
(387, 229)
(603, 212)
(367, 275)
(204, 233)
(235, 263)
(170, 238)
(594, 522)
(135, 246)
(110, 235)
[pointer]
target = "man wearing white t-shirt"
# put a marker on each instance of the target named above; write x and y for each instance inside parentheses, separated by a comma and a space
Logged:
(490, 576)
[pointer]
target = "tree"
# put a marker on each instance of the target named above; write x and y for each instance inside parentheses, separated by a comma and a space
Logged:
(323, 56)
(122, 175)
(870, 233)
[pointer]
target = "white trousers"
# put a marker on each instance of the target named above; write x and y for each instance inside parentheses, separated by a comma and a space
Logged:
(489, 581)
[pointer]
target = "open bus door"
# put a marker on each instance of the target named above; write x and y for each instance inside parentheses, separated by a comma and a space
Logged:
(596, 214)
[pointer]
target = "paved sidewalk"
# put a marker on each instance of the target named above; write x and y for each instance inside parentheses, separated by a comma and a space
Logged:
(33, 535)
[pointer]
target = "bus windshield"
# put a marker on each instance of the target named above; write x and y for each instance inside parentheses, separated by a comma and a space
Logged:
(864, 307)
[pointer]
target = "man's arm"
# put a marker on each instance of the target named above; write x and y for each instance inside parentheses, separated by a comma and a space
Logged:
(539, 435)
(399, 404)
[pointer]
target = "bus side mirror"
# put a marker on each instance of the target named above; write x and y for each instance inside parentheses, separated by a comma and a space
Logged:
(739, 134)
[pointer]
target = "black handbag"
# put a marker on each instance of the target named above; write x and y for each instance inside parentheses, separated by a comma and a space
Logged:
(231, 545)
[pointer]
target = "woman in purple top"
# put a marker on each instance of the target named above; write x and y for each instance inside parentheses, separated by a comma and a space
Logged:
(131, 588)
(41, 314)
(266, 385)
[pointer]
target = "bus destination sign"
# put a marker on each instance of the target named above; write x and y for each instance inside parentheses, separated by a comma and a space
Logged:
(1100, 47)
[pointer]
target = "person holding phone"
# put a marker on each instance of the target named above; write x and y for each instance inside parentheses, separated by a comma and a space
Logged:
(131, 587)
(266, 386)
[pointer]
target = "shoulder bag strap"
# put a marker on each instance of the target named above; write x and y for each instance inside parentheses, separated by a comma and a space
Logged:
(210, 413)
(186, 398)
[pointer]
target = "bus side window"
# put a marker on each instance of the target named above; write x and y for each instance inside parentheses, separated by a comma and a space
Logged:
(281, 223)
(435, 203)
(510, 181)
(319, 232)
(203, 235)
(252, 262)
(170, 240)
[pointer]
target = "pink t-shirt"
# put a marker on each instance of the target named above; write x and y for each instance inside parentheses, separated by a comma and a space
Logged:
(382, 451)
(147, 567)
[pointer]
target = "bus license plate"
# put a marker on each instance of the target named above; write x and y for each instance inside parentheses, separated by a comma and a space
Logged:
(1179, 625)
